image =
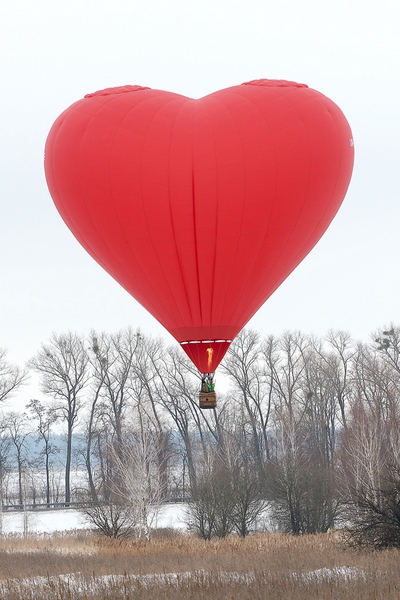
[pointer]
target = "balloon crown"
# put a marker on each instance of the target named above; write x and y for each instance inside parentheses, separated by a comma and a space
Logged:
(123, 89)
(275, 83)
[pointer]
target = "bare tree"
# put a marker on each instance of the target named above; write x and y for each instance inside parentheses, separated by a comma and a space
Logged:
(141, 475)
(228, 493)
(5, 467)
(363, 451)
(339, 360)
(114, 518)
(252, 388)
(147, 390)
(211, 504)
(63, 366)
(302, 473)
(324, 401)
(249, 484)
(135, 492)
(99, 365)
(173, 388)
(375, 514)
(11, 377)
(370, 445)
(287, 473)
(113, 361)
(17, 428)
(45, 418)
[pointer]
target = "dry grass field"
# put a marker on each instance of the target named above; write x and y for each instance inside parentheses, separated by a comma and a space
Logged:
(82, 565)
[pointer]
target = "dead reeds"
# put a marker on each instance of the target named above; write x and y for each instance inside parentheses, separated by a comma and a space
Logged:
(272, 565)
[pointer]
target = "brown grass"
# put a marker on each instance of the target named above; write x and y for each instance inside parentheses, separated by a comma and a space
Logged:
(262, 566)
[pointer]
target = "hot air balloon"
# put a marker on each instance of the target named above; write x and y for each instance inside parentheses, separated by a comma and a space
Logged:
(200, 208)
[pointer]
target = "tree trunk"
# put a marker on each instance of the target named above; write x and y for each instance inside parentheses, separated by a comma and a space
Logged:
(68, 466)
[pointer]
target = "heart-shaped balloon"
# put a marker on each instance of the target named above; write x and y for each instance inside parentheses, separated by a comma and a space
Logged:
(200, 208)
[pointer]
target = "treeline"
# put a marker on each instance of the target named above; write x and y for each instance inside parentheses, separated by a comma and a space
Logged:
(307, 426)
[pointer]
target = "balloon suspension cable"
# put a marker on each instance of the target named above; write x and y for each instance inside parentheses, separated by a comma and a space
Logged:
(207, 382)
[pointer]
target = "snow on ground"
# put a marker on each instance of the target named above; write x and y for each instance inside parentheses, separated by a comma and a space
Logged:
(49, 521)
(77, 583)
(341, 573)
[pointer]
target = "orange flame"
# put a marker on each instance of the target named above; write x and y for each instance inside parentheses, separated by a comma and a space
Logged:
(210, 352)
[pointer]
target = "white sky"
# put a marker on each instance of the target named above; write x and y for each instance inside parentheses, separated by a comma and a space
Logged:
(52, 53)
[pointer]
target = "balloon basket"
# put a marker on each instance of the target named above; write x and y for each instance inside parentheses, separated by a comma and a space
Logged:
(207, 400)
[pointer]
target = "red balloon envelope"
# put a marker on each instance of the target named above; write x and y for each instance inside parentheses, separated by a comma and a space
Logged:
(200, 208)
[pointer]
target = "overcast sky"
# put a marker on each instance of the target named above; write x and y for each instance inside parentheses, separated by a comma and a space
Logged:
(54, 52)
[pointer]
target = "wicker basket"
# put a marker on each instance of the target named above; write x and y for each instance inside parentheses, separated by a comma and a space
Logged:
(207, 399)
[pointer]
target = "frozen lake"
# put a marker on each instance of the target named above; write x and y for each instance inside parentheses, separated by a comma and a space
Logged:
(48, 521)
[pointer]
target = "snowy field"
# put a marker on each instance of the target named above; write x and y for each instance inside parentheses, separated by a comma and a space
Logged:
(171, 515)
